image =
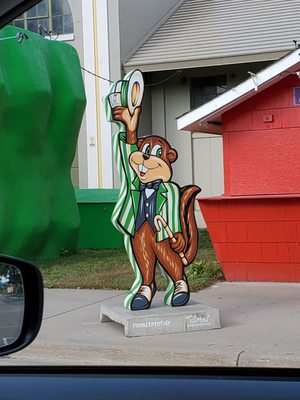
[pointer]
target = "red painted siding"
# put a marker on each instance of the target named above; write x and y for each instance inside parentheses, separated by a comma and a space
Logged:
(262, 143)
(256, 239)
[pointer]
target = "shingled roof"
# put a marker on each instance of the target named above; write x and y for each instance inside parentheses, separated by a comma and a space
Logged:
(217, 32)
(208, 117)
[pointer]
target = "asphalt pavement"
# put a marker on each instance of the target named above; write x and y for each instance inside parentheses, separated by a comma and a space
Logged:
(260, 327)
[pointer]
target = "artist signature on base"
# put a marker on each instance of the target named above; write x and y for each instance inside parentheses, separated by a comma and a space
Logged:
(198, 320)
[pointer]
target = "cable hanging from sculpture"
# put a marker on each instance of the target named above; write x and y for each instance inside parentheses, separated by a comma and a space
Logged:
(20, 36)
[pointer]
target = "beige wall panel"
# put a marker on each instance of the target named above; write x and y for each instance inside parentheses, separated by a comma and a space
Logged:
(158, 111)
(178, 102)
(208, 169)
(217, 170)
(202, 165)
(145, 124)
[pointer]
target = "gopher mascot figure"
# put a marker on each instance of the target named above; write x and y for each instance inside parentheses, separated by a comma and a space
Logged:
(155, 215)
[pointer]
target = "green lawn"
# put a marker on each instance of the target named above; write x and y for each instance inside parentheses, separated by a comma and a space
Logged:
(110, 269)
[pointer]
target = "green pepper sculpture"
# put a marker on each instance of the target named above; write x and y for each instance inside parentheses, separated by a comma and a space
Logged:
(41, 109)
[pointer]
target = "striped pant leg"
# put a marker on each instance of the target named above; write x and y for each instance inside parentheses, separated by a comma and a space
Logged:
(137, 275)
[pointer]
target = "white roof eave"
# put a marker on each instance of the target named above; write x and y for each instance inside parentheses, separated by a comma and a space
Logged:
(199, 119)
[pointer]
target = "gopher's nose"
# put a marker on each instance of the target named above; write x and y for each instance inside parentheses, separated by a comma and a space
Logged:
(146, 156)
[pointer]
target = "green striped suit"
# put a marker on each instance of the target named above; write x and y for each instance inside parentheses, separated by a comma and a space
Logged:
(167, 201)
(124, 214)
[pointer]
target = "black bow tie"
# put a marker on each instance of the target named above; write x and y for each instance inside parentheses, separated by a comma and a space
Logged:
(150, 185)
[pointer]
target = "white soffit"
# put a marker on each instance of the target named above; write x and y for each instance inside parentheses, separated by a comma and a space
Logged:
(207, 118)
(215, 32)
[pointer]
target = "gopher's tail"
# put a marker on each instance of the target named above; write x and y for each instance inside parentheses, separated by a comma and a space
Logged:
(188, 221)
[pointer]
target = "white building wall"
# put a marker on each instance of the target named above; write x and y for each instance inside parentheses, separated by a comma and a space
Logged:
(95, 146)
(76, 40)
(96, 38)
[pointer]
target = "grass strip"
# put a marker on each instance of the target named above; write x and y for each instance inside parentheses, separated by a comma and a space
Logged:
(110, 269)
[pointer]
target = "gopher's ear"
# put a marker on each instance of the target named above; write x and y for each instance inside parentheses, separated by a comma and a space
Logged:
(172, 155)
(139, 143)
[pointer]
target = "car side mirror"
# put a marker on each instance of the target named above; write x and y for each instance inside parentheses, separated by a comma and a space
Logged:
(21, 303)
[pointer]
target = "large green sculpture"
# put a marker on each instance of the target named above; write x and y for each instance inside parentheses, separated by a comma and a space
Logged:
(41, 109)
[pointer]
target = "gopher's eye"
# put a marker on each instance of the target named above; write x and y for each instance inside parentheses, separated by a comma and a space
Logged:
(146, 148)
(157, 150)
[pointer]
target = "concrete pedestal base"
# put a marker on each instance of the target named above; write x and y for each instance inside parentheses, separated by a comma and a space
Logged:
(162, 320)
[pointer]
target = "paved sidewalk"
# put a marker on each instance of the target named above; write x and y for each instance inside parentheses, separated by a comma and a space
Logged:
(260, 327)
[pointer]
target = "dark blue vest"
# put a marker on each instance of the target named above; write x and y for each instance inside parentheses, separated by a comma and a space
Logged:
(147, 206)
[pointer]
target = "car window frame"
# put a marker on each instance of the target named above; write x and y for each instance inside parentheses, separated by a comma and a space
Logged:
(10, 9)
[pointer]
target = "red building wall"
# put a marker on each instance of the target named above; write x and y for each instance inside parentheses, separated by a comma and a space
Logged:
(255, 227)
(255, 239)
(262, 143)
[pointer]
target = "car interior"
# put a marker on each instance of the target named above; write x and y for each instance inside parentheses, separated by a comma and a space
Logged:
(21, 313)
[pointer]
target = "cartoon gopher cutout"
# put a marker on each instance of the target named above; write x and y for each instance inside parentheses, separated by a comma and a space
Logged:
(155, 215)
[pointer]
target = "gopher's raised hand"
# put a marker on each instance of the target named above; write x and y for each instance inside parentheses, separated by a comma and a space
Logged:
(41, 109)
(131, 121)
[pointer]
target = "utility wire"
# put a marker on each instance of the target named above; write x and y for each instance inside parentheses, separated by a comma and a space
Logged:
(97, 76)
(21, 36)
(164, 80)
(149, 85)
